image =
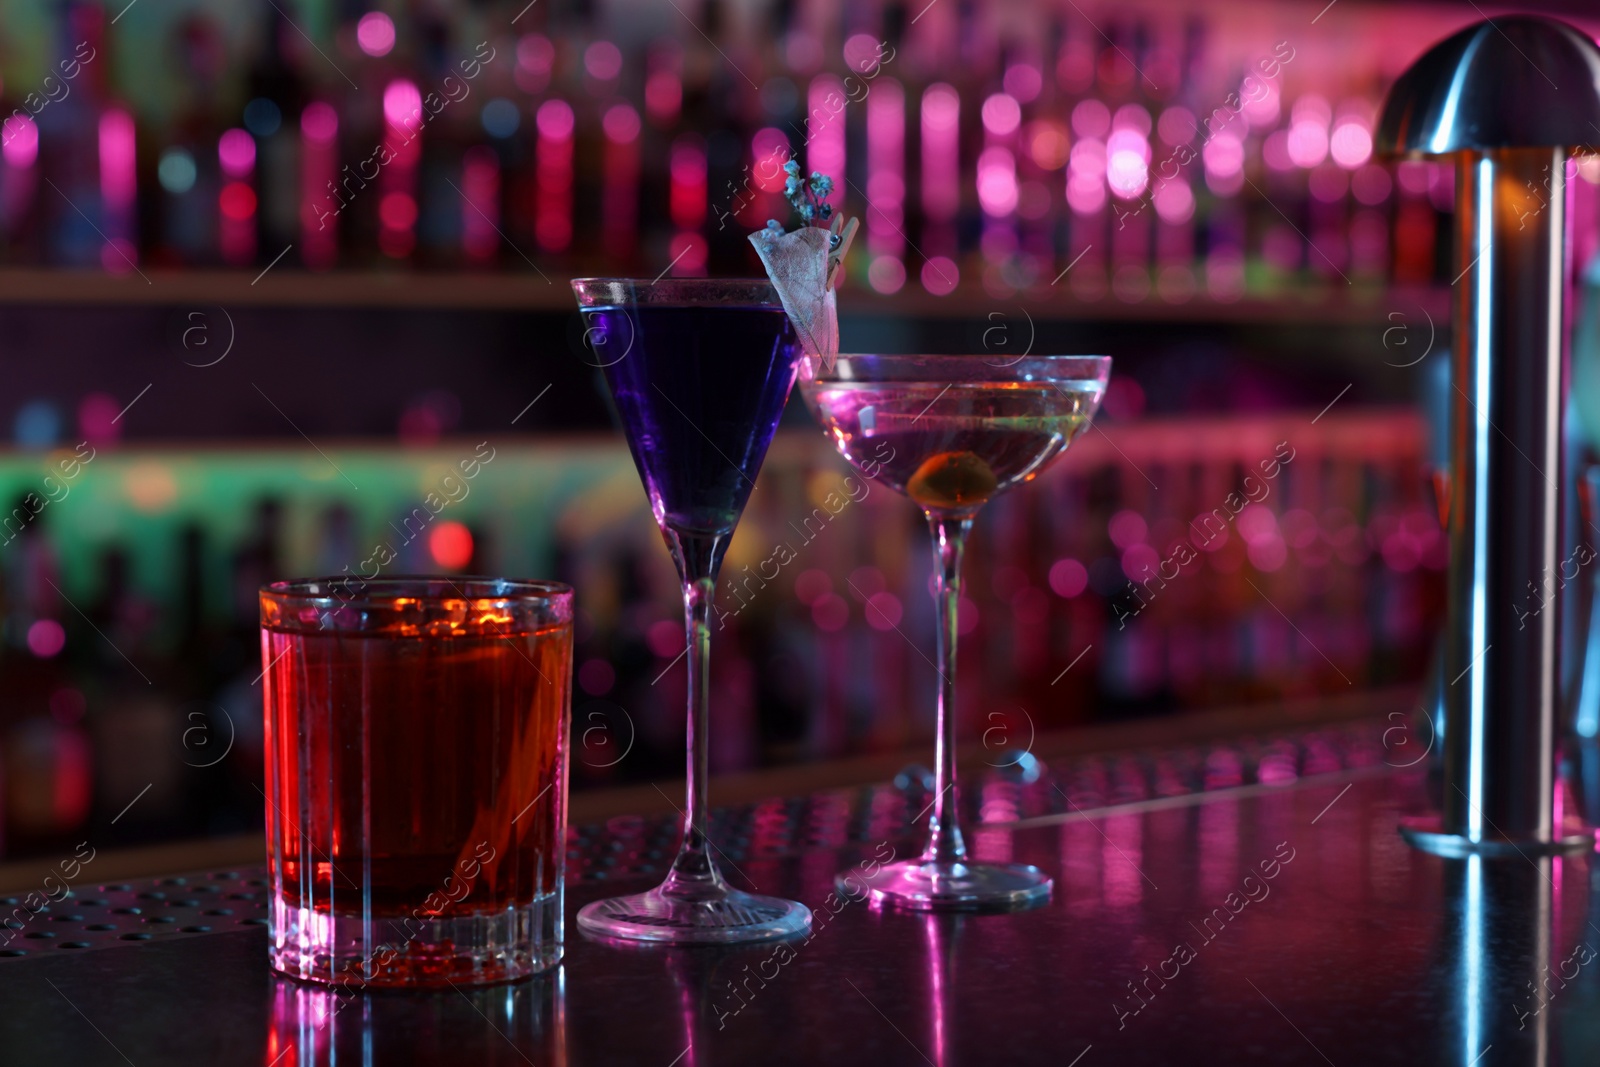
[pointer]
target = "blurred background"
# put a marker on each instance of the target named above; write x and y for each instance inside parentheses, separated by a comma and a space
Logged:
(269, 270)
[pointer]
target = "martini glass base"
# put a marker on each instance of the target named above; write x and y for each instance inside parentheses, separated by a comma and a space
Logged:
(930, 885)
(725, 918)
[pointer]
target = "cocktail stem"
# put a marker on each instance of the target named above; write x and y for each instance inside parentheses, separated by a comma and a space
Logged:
(949, 540)
(698, 556)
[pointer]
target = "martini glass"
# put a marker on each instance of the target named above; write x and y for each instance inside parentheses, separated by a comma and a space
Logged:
(700, 370)
(951, 433)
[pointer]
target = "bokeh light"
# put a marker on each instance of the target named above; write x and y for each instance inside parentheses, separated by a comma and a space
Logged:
(176, 171)
(603, 60)
(46, 638)
(375, 33)
(1001, 114)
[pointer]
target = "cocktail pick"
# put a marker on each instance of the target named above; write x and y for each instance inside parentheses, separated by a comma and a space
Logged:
(842, 234)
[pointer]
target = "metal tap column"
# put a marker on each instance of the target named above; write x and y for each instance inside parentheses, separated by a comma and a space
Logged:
(1509, 388)
(1489, 98)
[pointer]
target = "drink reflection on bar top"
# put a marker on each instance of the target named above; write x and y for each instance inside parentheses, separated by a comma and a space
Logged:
(1343, 540)
(310, 1025)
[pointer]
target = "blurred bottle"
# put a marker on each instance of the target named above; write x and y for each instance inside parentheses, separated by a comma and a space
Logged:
(45, 761)
(68, 123)
(275, 98)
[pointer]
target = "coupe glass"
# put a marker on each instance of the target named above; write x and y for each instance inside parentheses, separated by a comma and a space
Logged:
(951, 433)
(700, 370)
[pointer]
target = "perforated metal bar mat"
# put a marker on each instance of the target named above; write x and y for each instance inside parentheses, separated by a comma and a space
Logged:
(136, 912)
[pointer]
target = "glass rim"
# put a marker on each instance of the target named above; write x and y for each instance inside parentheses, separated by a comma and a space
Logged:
(957, 367)
(356, 591)
(987, 357)
(674, 292)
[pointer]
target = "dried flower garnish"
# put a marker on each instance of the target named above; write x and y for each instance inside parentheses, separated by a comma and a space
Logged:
(807, 196)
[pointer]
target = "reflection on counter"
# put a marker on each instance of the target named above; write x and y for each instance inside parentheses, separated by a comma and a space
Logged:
(1154, 571)
(315, 1027)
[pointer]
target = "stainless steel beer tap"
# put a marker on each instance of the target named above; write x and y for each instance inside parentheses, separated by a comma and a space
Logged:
(1507, 101)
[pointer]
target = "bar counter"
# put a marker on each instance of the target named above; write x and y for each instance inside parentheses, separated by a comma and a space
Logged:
(1254, 905)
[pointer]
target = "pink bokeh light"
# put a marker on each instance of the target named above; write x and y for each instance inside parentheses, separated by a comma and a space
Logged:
(552, 220)
(1091, 118)
(1023, 82)
(1127, 527)
(1086, 174)
(1174, 201)
(1140, 562)
(688, 255)
(1308, 131)
(236, 152)
(941, 114)
(46, 638)
(319, 123)
(1127, 162)
(319, 165)
(536, 58)
(940, 276)
(1068, 578)
(1371, 185)
(603, 60)
(886, 275)
(375, 33)
(1001, 115)
(663, 96)
(863, 53)
(866, 580)
(769, 151)
(886, 171)
(555, 120)
(402, 104)
(1351, 144)
(480, 203)
(397, 211)
(1308, 144)
(19, 140)
(665, 637)
(883, 611)
(621, 124)
(825, 126)
(997, 182)
(117, 160)
(687, 197)
(1224, 158)
(1132, 117)
(97, 418)
(1260, 102)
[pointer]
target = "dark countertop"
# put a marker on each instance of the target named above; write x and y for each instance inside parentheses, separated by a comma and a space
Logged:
(1357, 951)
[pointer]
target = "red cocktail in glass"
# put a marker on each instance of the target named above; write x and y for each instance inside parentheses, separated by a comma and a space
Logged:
(416, 737)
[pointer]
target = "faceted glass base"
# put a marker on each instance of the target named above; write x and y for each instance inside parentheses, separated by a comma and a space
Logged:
(928, 885)
(725, 917)
(462, 950)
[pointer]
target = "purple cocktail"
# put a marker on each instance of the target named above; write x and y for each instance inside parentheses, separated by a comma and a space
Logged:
(699, 396)
(700, 371)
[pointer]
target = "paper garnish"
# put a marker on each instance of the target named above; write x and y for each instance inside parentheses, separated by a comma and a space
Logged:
(804, 264)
